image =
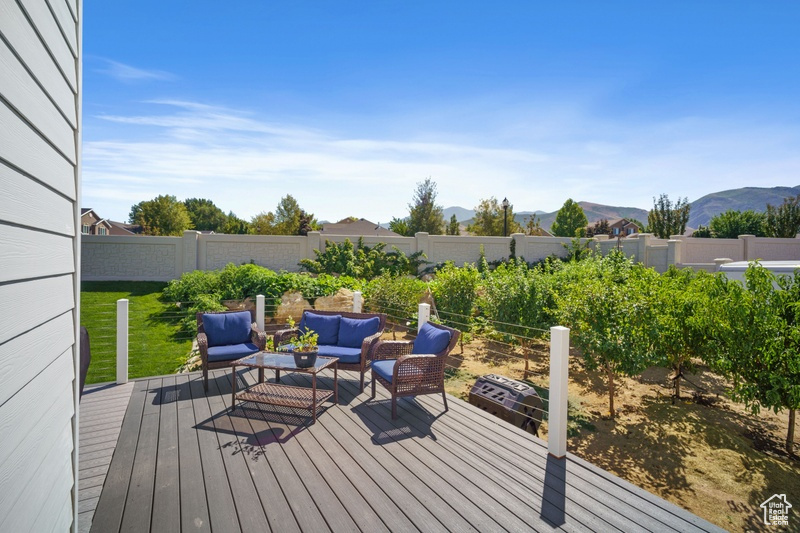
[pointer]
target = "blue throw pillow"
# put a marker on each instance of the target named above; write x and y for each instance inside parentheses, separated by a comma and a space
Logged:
(353, 331)
(227, 328)
(431, 339)
(326, 326)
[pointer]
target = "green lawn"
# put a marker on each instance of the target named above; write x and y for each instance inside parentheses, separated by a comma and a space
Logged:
(156, 345)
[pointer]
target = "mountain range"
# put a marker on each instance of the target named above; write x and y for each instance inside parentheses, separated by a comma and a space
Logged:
(700, 213)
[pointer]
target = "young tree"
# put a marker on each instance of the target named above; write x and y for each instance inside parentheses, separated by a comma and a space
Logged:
(666, 218)
(533, 226)
(288, 219)
(784, 220)
(163, 215)
(757, 341)
(609, 314)
(731, 224)
(205, 216)
(488, 219)
(569, 220)
(423, 213)
(680, 301)
(453, 228)
(601, 227)
(263, 224)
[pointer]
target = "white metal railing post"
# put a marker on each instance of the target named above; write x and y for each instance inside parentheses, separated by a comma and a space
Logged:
(559, 372)
(122, 341)
(260, 311)
(423, 315)
(358, 301)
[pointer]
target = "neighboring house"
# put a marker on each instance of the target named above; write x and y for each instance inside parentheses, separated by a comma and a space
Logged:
(622, 226)
(357, 227)
(93, 224)
(40, 99)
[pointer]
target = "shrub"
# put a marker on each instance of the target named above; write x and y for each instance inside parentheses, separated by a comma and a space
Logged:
(455, 291)
(362, 261)
(398, 297)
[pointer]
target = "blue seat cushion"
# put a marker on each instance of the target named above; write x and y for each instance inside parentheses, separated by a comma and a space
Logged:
(326, 326)
(353, 331)
(431, 339)
(227, 328)
(230, 352)
(384, 369)
(345, 354)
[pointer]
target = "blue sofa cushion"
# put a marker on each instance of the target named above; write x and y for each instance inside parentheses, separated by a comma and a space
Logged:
(231, 352)
(326, 326)
(384, 368)
(431, 340)
(345, 354)
(353, 331)
(227, 328)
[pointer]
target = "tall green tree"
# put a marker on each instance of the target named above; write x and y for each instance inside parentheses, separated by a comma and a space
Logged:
(205, 216)
(570, 220)
(263, 224)
(731, 224)
(423, 213)
(668, 218)
(784, 221)
(453, 228)
(601, 227)
(488, 219)
(400, 226)
(163, 215)
(287, 219)
(235, 225)
(757, 341)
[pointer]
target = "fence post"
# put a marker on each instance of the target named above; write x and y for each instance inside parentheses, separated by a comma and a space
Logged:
(122, 341)
(358, 302)
(557, 412)
(423, 315)
(260, 311)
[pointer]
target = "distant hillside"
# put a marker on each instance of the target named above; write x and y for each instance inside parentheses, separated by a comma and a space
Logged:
(460, 213)
(755, 198)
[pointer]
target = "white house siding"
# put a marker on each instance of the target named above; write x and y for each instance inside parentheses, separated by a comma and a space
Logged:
(39, 190)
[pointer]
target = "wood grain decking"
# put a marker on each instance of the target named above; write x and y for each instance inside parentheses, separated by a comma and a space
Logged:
(184, 462)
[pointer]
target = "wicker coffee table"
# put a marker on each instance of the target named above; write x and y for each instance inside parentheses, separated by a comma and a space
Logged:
(285, 395)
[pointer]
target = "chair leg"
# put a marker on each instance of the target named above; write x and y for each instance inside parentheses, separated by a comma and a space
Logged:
(394, 407)
(205, 379)
(362, 383)
(444, 399)
(373, 388)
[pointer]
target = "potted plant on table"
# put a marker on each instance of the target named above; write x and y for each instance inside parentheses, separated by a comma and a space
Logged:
(304, 349)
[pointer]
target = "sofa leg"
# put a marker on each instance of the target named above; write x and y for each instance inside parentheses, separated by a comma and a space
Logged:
(373, 388)
(362, 383)
(444, 399)
(205, 379)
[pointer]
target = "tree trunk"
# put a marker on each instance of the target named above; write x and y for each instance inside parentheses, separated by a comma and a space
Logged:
(610, 392)
(790, 436)
(677, 380)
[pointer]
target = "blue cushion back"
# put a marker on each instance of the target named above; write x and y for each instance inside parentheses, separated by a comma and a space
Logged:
(353, 331)
(326, 326)
(227, 328)
(431, 340)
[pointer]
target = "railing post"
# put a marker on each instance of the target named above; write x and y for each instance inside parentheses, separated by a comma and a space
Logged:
(423, 315)
(557, 412)
(358, 301)
(122, 341)
(260, 311)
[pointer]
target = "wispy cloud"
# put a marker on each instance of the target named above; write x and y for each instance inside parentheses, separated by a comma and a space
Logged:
(246, 164)
(128, 74)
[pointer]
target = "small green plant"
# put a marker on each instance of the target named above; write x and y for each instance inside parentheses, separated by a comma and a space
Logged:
(363, 261)
(306, 341)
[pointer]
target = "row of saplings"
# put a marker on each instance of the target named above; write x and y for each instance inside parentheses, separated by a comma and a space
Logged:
(625, 318)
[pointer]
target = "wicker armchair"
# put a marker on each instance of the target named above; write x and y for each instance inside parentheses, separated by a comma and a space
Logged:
(216, 354)
(285, 336)
(401, 367)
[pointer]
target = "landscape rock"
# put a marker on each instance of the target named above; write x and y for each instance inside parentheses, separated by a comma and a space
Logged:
(341, 301)
(292, 305)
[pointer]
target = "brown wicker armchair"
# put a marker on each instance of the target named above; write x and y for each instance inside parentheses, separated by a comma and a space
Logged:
(219, 346)
(404, 368)
(357, 360)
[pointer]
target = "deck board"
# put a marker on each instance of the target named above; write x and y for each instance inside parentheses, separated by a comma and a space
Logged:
(184, 461)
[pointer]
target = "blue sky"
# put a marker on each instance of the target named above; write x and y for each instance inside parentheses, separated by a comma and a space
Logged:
(347, 105)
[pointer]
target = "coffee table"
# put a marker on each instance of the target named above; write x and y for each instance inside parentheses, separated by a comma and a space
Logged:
(285, 395)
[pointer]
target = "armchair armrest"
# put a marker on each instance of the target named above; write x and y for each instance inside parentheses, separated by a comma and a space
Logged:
(283, 336)
(258, 336)
(368, 343)
(390, 349)
(202, 346)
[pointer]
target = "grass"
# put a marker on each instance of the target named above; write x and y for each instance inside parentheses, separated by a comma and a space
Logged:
(156, 345)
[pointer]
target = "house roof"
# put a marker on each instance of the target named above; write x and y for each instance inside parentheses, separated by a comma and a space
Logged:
(357, 227)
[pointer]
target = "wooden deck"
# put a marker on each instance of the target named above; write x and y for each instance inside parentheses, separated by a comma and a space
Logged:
(185, 462)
